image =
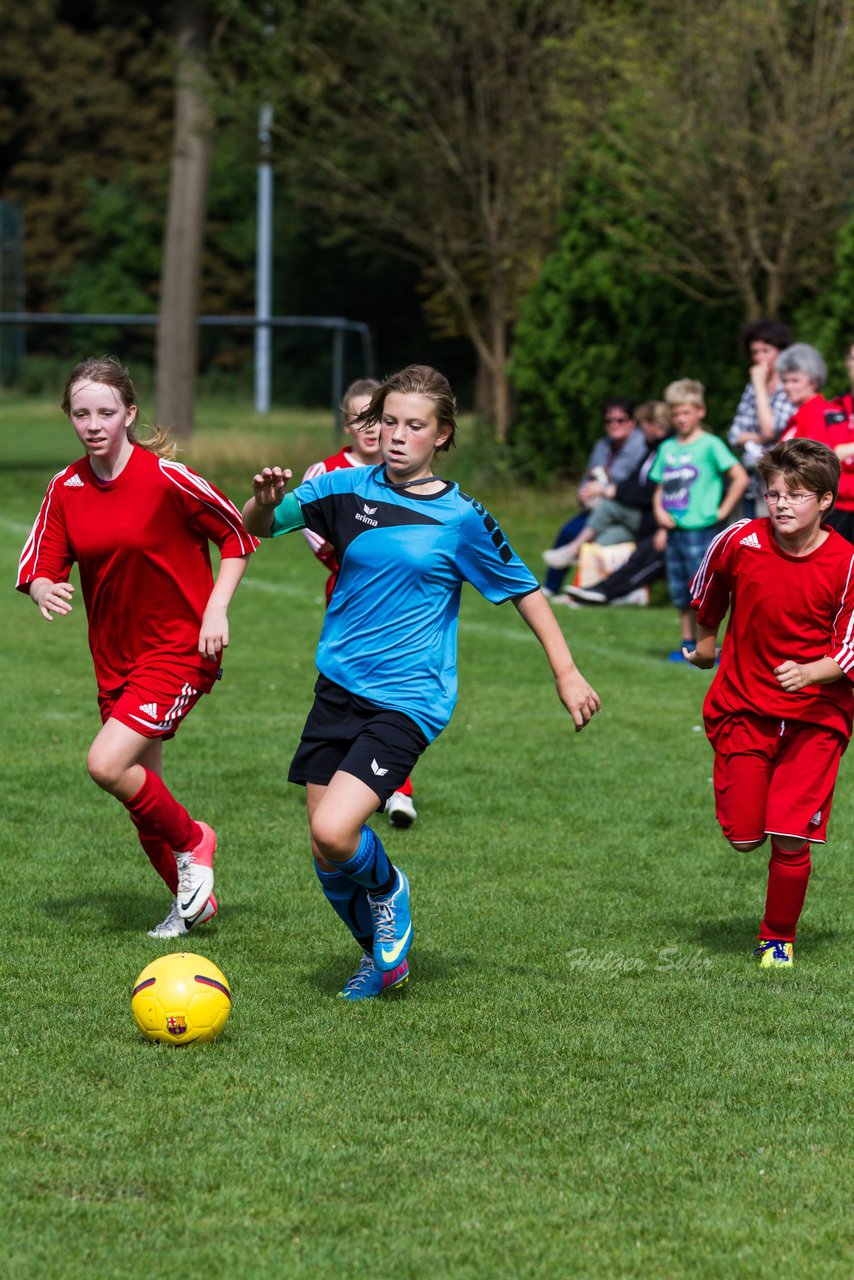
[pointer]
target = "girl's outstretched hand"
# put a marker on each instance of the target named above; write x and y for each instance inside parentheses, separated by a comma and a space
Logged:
(269, 485)
(581, 701)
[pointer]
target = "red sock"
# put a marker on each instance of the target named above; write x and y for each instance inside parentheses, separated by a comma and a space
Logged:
(162, 858)
(405, 788)
(155, 812)
(788, 874)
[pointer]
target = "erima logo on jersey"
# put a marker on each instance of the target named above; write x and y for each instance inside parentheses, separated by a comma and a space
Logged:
(367, 519)
(378, 770)
(73, 482)
(369, 511)
(751, 541)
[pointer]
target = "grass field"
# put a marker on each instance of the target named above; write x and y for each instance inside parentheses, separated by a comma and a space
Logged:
(586, 1077)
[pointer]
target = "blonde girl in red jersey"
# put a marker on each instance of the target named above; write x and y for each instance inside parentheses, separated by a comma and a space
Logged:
(138, 525)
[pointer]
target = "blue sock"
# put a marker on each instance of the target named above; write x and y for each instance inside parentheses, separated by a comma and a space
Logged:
(350, 902)
(369, 865)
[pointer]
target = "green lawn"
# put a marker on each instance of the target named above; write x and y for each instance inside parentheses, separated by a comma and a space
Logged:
(586, 1076)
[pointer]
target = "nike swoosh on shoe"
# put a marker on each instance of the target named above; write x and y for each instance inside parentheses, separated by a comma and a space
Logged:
(186, 905)
(391, 954)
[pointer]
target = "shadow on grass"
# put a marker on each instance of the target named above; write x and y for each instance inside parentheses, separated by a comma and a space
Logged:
(118, 912)
(738, 934)
(427, 967)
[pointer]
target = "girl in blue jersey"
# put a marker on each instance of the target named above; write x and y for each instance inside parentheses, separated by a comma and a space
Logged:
(405, 541)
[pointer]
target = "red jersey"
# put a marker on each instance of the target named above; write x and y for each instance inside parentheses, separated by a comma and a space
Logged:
(798, 608)
(829, 422)
(141, 543)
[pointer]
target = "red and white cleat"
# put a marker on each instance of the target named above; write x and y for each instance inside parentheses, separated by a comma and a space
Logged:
(195, 873)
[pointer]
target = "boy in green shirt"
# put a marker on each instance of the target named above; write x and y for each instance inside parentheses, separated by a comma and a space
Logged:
(690, 505)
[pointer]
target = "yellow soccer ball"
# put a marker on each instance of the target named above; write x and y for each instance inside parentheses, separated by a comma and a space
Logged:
(181, 999)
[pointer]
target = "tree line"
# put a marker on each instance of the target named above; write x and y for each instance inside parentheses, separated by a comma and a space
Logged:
(554, 199)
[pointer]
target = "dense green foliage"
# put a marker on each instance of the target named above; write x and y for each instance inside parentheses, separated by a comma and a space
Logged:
(400, 136)
(586, 1079)
(597, 324)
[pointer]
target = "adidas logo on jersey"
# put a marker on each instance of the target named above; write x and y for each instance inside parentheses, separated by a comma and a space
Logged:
(378, 770)
(751, 541)
(73, 482)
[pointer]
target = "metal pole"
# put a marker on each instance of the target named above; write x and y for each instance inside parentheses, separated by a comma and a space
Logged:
(337, 376)
(264, 267)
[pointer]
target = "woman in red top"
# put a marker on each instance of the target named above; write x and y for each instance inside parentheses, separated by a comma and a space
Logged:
(139, 525)
(803, 372)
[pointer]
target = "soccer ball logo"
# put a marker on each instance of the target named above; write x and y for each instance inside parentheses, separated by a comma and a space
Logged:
(180, 998)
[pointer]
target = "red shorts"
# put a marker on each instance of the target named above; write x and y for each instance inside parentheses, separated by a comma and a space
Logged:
(774, 777)
(154, 702)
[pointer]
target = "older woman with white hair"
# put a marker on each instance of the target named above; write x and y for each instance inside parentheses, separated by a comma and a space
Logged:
(803, 372)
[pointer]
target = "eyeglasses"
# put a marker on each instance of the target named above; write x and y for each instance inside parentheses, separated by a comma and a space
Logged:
(622, 418)
(794, 499)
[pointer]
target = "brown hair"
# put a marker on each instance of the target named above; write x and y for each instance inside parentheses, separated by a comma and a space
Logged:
(356, 391)
(110, 372)
(805, 463)
(417, 380)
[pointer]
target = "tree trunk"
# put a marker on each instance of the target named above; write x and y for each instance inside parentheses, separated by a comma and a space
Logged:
(178, 335)
(498, 344)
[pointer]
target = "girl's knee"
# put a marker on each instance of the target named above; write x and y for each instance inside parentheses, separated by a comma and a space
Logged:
(791, 844)
(103, 769)
(744, 846)
(331, 840)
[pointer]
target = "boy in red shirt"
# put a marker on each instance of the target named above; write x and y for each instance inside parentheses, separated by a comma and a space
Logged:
(779, 711)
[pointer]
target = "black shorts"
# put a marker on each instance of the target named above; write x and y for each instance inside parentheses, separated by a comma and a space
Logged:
(376, 745)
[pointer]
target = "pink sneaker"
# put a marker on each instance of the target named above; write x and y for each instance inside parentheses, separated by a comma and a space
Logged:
(195, 873)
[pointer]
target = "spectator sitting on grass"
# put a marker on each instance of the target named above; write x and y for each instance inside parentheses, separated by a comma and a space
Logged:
(612, 459)
(624, 512)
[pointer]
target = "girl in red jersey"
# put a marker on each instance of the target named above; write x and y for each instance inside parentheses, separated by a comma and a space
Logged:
(139, 525)
(779, 711)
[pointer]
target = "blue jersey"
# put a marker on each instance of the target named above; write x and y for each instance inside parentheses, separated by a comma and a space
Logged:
(390, 632)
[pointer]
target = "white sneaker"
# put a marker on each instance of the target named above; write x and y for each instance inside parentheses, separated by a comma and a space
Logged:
(400, 809)
(561, 557)
(587, 595)
(195, 873)
(640, 596)
(176, 927)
